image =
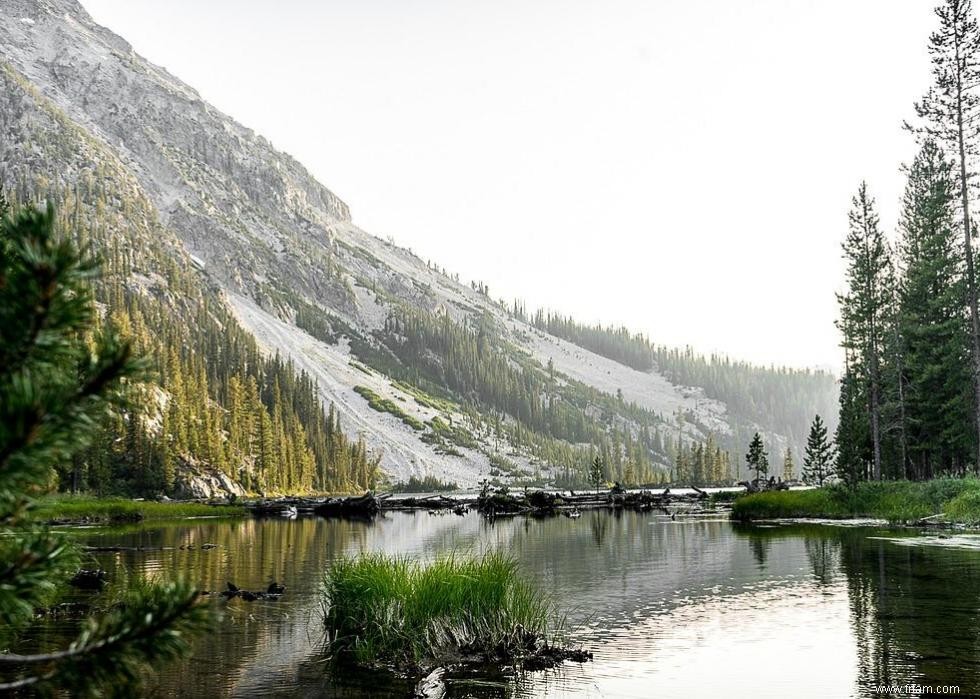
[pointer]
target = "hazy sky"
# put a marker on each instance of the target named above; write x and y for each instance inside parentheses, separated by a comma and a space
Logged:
(682, 167)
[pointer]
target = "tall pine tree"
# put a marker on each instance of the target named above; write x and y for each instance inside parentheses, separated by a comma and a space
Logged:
(951, 116)
(864, 308)
(935, 343)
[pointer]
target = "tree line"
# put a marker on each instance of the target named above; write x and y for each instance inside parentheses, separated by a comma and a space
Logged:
(910, 392)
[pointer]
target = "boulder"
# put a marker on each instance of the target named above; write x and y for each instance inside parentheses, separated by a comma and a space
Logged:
(192, 482)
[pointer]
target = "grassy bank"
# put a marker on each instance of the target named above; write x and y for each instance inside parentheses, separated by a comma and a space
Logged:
(88, 508)
(958, 499)
(384, 610)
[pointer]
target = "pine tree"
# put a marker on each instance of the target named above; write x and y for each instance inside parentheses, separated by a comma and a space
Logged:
(853, 435)
(864, 308)
(596, 473)
(57, 383)
(789, 468)
(818, 460)
(933, 332)
(951, 115)
(757, 459)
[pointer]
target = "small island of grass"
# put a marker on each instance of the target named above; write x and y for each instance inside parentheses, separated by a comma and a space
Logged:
(393, 612)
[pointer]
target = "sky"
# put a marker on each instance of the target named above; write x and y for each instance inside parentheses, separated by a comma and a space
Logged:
(681, 167)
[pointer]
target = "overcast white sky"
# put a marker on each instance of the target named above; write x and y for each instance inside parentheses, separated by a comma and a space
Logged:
(683, 167)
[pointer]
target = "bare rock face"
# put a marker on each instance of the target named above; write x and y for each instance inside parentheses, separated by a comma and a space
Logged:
(204, 483)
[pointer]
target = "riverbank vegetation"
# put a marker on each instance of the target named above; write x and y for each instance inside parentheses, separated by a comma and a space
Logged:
(91, 509)
(389, 611)
(955, 499)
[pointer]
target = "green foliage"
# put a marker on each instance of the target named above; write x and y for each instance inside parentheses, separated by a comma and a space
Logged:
(964, 508)
(386, 405)
(59, 377)
(895, 501)
(933, 332)
(818, 460)
(426, 484)
(597, 475)
(89, 508)
(757, 459)
(864, 310)
(393, 611)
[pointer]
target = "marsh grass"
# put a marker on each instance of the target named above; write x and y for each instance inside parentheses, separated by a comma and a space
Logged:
(896, 501)
(393, 611)
(88, 508)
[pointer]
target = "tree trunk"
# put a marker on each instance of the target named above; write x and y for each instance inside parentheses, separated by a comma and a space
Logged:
(902, 437)
(971, 285)
(875, 417)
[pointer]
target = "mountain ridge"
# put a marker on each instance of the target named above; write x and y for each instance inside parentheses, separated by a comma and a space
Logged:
(309, 284)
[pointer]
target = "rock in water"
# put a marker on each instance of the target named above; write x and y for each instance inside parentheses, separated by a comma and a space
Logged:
(89, 579)
(432, 686)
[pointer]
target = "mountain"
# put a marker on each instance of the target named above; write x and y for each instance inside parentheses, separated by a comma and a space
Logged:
(233, 266)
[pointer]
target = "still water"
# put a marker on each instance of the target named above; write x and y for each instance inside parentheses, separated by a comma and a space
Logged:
(695, 608)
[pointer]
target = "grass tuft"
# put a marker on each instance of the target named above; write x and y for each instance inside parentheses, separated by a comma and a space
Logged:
(392, 611)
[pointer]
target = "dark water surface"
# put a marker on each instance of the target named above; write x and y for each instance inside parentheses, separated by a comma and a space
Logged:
(698, 608)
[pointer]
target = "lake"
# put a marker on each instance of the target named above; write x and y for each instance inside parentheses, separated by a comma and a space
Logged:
(687, 608)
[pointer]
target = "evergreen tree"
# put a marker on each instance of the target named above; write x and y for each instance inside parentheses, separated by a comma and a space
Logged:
(789, 468)
(864, 308)
(58, 381)
(596, 473)
(853, 435)
(951, 115)
(757, 459)
(818, 460)
(934, 335)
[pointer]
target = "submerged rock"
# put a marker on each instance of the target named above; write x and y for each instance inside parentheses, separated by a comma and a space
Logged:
(89, 579)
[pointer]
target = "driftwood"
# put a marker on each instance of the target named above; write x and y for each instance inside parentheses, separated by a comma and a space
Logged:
(493, 502)
(429, 502)
(760, 485)
(501, 502)
(367, 505)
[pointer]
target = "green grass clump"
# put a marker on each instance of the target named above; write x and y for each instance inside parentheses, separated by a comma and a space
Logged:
(964, 508)
(895, 501)
(392, 611)
(386, 405)
(89, 508)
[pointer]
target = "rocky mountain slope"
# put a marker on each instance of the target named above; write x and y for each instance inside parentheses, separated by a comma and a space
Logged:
(438, 378)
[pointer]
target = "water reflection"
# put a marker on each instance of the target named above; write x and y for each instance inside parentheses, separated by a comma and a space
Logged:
(699, 608)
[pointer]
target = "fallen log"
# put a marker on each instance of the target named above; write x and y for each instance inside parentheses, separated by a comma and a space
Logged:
(367, 505)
